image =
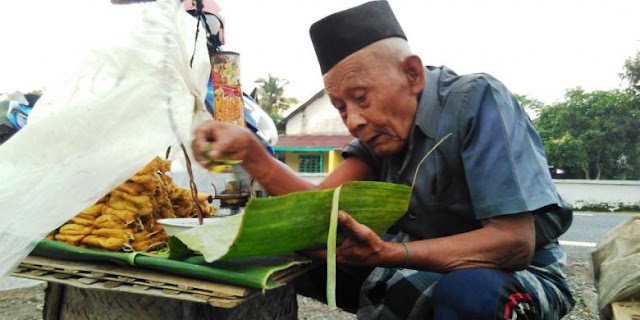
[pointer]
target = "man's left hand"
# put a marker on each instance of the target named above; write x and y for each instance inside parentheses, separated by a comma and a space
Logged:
(361, 246)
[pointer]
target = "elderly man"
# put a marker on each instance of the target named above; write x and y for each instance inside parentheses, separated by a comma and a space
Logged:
(479, 240)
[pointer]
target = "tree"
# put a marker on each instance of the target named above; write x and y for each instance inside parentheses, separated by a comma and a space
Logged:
(593, 132)
(531, 105)
(631, 73)
(271, 96)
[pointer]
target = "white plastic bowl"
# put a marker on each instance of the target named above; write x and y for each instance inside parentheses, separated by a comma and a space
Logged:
(177, 225)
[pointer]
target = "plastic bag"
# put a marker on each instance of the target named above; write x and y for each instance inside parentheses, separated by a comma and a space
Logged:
(124, 104)
(616, 265)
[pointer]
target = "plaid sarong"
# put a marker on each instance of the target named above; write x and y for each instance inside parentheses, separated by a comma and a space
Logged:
(538, 292)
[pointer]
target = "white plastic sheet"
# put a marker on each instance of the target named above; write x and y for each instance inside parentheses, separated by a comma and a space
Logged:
(125, 104)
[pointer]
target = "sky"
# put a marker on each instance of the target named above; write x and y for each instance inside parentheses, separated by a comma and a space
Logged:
(538, 48)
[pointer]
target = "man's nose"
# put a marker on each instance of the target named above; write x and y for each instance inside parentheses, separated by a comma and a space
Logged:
(355, 121)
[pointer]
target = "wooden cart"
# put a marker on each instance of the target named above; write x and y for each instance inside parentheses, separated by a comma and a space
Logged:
(103, 290)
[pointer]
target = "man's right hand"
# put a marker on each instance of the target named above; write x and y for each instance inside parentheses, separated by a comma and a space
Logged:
(219, 141)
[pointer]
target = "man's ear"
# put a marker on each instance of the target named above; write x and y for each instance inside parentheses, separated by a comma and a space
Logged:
(414, 71)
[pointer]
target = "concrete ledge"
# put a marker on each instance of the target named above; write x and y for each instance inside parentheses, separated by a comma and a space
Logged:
(597, 182)
(596, 195)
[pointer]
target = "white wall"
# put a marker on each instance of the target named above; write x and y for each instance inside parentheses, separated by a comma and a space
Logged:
(611, 194)
(602, 193)
(320, 117)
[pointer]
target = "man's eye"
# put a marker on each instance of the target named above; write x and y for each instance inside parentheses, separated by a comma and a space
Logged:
(361, 98)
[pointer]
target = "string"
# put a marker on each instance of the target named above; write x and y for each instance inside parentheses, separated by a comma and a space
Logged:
(425, 157)
(192, 184)
(199, 13)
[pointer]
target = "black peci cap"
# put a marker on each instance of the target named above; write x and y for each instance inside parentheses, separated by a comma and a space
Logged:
(338, 35)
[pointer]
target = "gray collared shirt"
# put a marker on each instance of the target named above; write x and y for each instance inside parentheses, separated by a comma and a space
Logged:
(493, 163)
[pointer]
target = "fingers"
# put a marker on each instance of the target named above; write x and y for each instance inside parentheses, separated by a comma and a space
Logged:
(350, 226)
(204, 135)
(214, 141)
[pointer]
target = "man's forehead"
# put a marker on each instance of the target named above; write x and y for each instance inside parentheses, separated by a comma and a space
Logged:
(348, 74)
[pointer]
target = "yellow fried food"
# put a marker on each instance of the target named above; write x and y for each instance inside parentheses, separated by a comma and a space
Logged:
(125, 215)
(145, 180)
(157, 164)
(202, 197)
(138, 200)
(112, 244)
(166, 179)
(179, 193)
(70, 239)
(75, 229)
(131, 188)
(146, 245)
(141, 203)
(209, 210)
(125, 219)
(87, 216)
(109, 221)
(144, 241)
(119, 204)
(113, 233)
(83, 220)
(94, 210)
(166, 210)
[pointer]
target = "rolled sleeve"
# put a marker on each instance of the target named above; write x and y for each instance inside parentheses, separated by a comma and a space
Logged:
(502, 155)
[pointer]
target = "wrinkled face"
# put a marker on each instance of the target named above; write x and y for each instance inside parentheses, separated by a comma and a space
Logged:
(374, 99)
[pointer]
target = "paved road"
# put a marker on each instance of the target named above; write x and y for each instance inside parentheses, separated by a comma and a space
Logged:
(589, 227)
(586, 231)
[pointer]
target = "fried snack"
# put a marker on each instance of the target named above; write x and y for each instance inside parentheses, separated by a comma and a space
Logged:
(146, 181)
(83, 220)
(208, 209)
(168, 181)
(131, 188)
(94, 210)
(149, 244)
(70, 239)
(113, 233)
(125, 215)
(144, 241)
(112, 244)
(138, 200)
(141, 204)
(73, 229)
(162, 202)
(202, 198)
(109, 221)
(119, 204)
(125, 218)
(165, 210)
(157, 164)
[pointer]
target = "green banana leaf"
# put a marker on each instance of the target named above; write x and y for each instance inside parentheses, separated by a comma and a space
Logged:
(254, 273)
(297, 221)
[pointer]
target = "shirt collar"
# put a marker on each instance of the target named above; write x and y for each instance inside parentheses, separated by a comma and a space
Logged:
(429, 106)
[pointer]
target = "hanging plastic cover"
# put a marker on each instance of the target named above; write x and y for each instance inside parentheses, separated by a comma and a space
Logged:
(125, 103)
